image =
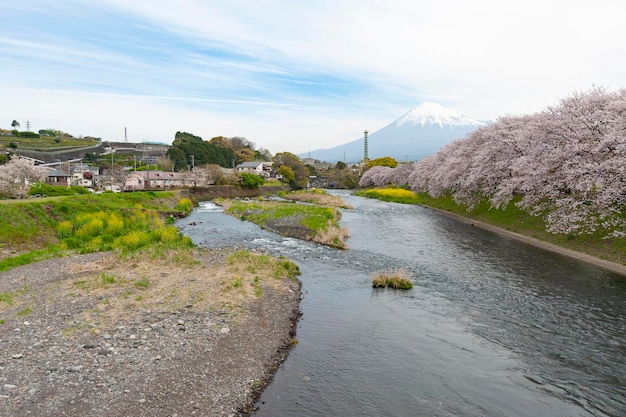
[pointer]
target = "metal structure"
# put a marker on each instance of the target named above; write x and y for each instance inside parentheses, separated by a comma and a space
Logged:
(365, 157)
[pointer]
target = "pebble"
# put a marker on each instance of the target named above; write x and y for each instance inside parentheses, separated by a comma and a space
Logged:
(9, 387)
(17, 356)
(224, 330)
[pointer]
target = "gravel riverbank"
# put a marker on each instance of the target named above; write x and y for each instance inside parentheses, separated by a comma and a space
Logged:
(69, 347)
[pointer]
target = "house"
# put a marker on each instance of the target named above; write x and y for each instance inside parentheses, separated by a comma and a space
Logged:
(263, 169)
(58, 178)
(82, 179)
(150, 180)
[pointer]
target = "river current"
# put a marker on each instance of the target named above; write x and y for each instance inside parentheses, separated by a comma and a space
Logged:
(492, 326)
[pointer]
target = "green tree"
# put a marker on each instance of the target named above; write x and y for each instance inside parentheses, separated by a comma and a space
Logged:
(178, 157)
(286, 173)
(15, 124)
(188, 149)
(300, 171)
(343, 178)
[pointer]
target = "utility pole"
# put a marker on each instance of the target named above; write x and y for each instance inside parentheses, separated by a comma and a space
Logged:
(111, 170)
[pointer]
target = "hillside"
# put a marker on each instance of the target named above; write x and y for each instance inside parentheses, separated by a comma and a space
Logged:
(48, 145)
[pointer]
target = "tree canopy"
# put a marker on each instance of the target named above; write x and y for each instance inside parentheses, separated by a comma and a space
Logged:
(188, 149)
(296, 166)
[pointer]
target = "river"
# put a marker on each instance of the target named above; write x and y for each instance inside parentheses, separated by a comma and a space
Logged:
(492, 326)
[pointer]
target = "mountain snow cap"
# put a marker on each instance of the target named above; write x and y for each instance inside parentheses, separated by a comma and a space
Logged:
(436, 114)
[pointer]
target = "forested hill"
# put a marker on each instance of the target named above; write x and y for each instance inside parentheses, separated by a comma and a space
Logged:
(566, 163)
(190, 150)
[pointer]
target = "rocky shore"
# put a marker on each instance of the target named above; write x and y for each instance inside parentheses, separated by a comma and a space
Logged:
(69, 347)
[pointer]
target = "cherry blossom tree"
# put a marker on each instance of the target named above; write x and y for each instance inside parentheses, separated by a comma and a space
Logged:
(204, 175)
(17, 175)
(566, 163)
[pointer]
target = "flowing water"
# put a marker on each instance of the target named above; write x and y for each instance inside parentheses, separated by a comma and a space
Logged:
(492, 326)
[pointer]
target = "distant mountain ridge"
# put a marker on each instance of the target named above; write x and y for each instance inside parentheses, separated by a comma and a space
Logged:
(417, 133)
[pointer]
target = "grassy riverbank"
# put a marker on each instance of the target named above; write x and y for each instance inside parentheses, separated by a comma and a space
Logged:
(512, 219)
(38, 229)
(312, 222)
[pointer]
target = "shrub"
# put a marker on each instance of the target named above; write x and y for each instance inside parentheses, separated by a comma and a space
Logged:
(166, 234)
(115, 225)
(251, 180)
(92, 228)
(133, 240)
(184, 205)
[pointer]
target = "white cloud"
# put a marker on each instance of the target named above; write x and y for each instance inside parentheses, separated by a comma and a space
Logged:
(303, 75)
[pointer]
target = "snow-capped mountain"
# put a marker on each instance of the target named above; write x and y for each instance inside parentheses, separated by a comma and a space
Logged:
(435, 114)
(418, 133)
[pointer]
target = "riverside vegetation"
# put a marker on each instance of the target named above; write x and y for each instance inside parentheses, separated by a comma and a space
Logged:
(147, 323)
(132, 226)
(312, 222)
(398, 279)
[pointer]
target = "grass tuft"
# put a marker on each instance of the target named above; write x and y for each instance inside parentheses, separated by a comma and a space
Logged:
(398, 279)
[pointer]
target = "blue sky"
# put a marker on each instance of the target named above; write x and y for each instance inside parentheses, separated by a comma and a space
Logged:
(294, 75)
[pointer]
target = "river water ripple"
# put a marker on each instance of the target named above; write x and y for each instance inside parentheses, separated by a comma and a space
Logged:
(492, 327)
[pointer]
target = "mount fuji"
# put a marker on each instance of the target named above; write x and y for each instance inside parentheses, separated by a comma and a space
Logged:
(418, 133)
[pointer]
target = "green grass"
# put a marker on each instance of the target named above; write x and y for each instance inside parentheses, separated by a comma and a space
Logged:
(142, 283)
(265, 265)
(38, 229)
(46, 142)
(322, 222)
(516, 220)
(41, 189)
(29, 257)
(7, 298)
(259, 212)
(24, 312)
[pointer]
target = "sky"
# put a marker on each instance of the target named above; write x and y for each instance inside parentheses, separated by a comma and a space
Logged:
(294, 75)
